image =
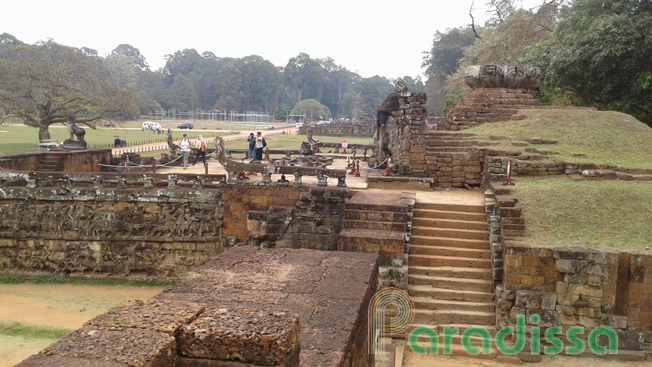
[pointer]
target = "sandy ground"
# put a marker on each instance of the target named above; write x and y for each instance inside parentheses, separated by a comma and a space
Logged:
(414, 360)
(65, 306)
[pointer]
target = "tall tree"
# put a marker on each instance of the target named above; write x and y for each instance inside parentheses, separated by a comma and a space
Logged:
(601, 52)
(48, 83)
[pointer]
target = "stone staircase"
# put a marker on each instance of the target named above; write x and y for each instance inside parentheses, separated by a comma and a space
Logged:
(449, 273)
(50, 162)
(376, 222)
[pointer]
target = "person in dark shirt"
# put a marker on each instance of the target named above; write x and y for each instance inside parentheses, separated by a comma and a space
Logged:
(252, 146)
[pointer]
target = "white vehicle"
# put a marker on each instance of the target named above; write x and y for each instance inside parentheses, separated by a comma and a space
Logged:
(153, 126)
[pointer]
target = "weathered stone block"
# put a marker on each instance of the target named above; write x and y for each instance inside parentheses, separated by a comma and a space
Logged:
(613, 321)
(160, 315)
(548, 318)
(562, 288)
(137, 347)
(267, 337)
(535, 300)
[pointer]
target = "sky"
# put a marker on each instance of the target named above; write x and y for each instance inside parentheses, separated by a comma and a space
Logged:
(373, 37)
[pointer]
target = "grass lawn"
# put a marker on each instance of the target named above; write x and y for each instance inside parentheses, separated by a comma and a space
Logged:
(37, 312)
(583, 136)
(20, 139)
(603, 215)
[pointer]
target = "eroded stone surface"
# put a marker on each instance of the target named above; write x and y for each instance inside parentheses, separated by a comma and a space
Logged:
(264, 337)
(128, 347)
(161, 315)
(328, 291)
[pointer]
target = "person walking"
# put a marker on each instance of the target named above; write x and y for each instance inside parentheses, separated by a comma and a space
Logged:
(252, 146)
(202, 150)
(184, 144)
(260, 144)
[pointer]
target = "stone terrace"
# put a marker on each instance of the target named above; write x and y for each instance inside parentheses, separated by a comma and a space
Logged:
(248, 307)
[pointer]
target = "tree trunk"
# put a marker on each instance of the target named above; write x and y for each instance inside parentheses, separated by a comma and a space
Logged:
(43, 132)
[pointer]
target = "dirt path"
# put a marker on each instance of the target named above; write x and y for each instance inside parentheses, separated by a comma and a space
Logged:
(64, 306)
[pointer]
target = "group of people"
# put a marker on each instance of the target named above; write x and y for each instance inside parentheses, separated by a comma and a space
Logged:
(256, 145)
(185, 143)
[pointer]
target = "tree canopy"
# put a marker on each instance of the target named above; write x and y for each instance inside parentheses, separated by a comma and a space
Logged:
(49, 83)
(312, 109)
(601, 52)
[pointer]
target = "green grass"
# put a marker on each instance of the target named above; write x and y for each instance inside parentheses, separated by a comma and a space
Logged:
(583, 136)
(20, 329)
(603, 215)
(293, 142)
(21, 139)
(20, 279)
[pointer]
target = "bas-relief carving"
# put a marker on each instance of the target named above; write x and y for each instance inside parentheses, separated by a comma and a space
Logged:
(107, 238)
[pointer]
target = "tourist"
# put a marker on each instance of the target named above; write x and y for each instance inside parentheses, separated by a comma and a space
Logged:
(202, 150)
(185, 150)
(260, 144)
(252, 146)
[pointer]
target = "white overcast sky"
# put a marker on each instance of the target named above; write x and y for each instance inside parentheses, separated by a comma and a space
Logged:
(373, 37)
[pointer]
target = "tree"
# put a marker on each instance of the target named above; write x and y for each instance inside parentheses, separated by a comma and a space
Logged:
(306, 76)
(48, 83)
(447, 51)
(138, 60)
(312, 109)
(7, 39)
(282, 112)
(601, 52)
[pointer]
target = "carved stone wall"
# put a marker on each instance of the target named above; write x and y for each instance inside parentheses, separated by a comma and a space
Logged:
(77, 161)
(81, 229)
(313, 221)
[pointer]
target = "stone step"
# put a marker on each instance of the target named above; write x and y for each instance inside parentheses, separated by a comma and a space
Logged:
(448, 294)
(457, 350)
(449, 242)
(450, 223)
(452, 215)
(454, 316)
(434, 261)
(450, 233)
(461, 328)
(353, 214)
(389, 245)
(377, 207)
(449, 251)
(429, 303)
(451, 207)
(380, 226)
(465, 284)
(450, 272)
(448, 150)
(449, 143)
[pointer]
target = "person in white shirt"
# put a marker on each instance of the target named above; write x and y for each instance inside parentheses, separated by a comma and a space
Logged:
(185, 150)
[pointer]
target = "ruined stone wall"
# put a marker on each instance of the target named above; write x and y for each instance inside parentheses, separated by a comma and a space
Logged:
(76, 226)
(248, 307)
(567, 286)
(487, 105)
(81, 161)
(365, 128)
(241, 198)
(312, 222)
